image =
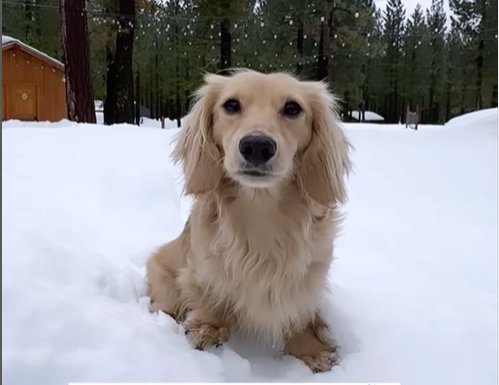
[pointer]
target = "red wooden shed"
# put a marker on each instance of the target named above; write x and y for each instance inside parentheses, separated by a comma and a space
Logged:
(32, 83)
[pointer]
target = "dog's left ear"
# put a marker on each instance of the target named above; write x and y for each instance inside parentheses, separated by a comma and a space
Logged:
(326, 161)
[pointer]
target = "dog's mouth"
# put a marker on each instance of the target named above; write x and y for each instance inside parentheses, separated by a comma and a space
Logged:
(259, 177)
(254, 173)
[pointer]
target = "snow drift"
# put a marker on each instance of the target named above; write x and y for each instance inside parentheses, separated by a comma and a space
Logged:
(414, 280)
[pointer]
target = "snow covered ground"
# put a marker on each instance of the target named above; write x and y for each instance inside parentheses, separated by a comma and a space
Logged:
(415, 279)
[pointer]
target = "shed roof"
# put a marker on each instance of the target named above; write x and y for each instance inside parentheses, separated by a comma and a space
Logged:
(10, 42)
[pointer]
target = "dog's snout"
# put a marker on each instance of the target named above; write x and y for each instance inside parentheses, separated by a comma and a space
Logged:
(257, 149)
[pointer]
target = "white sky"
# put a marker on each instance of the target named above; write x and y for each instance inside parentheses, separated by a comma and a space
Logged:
(411, 4)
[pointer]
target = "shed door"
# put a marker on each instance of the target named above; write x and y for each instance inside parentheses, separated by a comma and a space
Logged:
(23, 102)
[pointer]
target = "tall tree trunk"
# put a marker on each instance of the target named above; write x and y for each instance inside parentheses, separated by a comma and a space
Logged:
(137, 98)
(178, 103)
(156, 64)
(433, 82)
(322, 59)
(479, 67)
(448, 101)
(118, 105)
(324, 42)
(225, 44)
(28, 16)
(299, 46)
(431, 104)
(74, 32)
(413, 81)
(396, 116)
(150, 102)
(364, 92)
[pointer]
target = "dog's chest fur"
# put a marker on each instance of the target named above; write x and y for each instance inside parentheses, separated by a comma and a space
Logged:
(267, 261)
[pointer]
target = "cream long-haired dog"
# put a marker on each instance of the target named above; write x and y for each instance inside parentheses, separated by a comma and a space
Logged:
(265, 159)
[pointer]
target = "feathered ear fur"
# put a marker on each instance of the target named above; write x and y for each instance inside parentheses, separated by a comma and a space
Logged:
(195, 149)
(326, 161)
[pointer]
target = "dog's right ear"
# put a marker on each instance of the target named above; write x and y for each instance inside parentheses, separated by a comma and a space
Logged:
(195, 149)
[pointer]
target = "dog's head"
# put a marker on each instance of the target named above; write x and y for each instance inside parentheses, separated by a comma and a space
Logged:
(260, 130)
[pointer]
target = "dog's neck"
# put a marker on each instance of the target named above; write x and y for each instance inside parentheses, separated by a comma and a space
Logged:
(277, 194)
(251, 209)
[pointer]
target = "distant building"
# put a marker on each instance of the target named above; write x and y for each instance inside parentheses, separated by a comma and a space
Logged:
(33, 85)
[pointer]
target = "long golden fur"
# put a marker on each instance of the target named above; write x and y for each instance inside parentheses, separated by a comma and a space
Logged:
(255, 253)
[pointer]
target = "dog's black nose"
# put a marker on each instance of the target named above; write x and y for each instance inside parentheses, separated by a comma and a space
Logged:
(257, 149)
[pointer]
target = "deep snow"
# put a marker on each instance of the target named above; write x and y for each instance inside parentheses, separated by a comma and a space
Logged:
(415, 275)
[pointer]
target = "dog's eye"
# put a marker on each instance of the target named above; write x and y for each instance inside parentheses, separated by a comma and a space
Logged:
(291, 109)
(232, 106)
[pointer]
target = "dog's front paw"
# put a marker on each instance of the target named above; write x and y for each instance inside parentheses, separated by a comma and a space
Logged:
(205, 335)
(320, 362)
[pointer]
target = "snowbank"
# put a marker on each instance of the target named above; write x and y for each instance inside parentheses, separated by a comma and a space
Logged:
(414, 281)
(368, 115)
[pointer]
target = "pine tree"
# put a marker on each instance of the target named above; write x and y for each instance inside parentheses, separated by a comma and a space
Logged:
(224, 13)
(488, 34)
(13, 20)
(393, 18)
(36, 23)
(417, 63)
(375, 83)
(476, 22)
(435, 20)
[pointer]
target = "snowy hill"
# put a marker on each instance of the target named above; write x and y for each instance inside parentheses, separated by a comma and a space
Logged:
(414, 281)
